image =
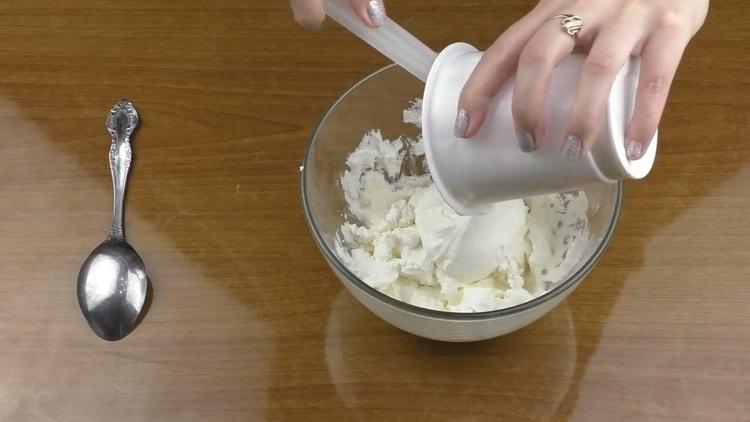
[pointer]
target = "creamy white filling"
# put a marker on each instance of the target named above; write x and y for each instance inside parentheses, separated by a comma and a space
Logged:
(405, 240)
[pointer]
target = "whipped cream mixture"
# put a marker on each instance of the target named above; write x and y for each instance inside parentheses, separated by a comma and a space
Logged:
(403, 239)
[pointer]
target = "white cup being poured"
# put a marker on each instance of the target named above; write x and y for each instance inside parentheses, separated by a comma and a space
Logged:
(472, 174)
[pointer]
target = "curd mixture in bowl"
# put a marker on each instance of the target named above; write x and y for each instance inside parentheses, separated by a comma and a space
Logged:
(404, 240)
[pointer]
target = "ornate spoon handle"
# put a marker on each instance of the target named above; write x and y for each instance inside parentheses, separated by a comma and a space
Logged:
(121, 122)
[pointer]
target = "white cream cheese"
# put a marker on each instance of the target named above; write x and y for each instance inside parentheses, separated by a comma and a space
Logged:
(404, 240)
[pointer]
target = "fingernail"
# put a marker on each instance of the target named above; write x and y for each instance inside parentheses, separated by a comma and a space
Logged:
(308, 24)
(376, 10)
(572, 148)
(526, 142)
(634, 149)
(462, 122)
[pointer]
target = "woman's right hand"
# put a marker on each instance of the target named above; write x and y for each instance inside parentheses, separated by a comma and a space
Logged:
(310, 13)
(657, 31)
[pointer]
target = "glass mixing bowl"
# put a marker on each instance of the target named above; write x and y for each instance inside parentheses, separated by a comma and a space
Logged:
(377, 101)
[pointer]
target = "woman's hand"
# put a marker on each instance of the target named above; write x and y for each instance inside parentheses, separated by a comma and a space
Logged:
(656, 30)
(310, 13)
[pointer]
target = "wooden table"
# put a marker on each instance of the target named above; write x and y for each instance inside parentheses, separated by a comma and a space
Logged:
(247, 321)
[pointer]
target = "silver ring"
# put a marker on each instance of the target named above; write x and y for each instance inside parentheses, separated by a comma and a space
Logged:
(571, 24)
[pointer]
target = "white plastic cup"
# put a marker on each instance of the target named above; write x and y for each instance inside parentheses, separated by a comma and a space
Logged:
(471, 174)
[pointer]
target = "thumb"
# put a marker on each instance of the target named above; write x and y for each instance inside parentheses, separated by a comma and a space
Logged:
(309, 14)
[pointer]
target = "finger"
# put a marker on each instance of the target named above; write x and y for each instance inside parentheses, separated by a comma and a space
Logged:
(308, 13)
(659, 60)
(545, 50)
(493, 69)
(608, 54)
(372, 12)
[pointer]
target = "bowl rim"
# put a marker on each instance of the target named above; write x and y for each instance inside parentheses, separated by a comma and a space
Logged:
(334, 260)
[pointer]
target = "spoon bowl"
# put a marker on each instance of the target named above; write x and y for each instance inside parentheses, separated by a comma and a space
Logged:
(112, 289)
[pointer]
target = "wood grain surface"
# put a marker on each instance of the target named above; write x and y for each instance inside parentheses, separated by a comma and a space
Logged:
(247, 321)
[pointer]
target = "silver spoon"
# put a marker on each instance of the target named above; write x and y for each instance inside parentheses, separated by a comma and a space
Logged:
(112, 283)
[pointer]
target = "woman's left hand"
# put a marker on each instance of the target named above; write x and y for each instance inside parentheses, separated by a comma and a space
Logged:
(310, 13)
